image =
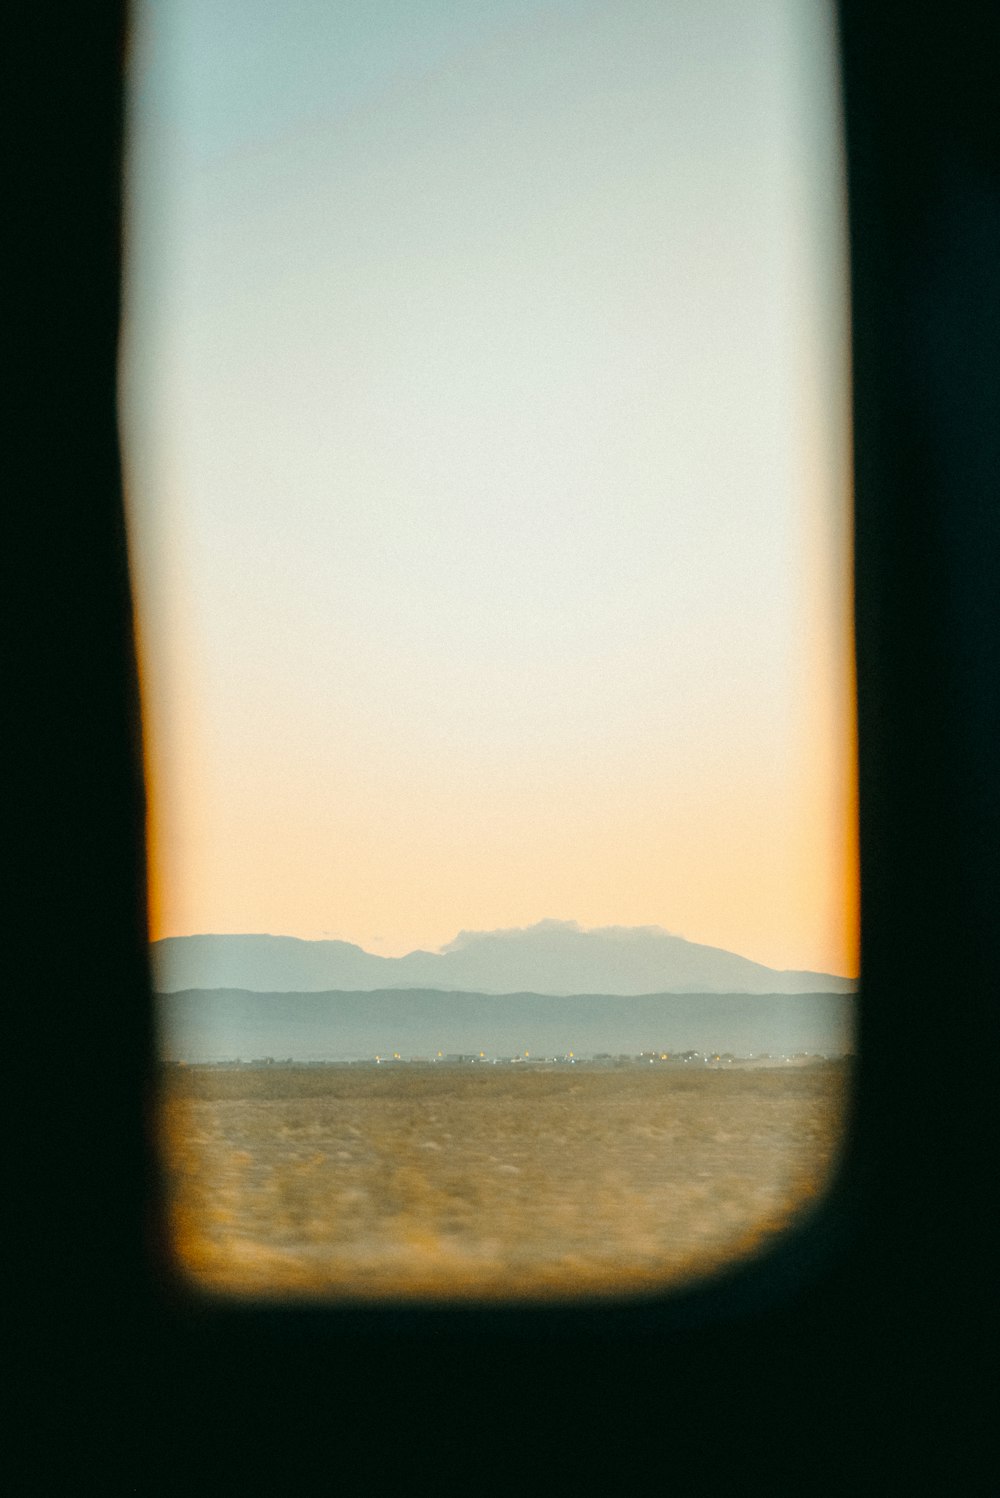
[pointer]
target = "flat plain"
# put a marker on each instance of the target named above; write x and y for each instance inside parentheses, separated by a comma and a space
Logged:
(506, 1182)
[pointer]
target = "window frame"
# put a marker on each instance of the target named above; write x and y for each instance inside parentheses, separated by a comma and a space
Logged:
(843, 1301)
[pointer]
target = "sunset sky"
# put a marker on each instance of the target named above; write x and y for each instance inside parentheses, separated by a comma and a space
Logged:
(486, 433)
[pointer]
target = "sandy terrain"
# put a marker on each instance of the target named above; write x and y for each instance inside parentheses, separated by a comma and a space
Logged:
(487, 1181)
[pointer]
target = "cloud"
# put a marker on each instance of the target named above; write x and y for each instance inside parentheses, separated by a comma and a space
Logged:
(465, 939)
(508, 933)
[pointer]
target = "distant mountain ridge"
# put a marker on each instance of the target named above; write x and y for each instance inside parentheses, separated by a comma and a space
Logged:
(557, 958)
(226, 1024)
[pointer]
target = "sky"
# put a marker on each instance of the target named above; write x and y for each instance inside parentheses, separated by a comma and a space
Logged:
(486, 431)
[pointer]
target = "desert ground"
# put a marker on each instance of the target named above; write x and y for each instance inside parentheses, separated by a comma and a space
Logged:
(489, 1182)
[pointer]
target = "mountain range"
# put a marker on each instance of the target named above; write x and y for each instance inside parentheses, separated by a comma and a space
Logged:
(226, 1024)
(550, 958)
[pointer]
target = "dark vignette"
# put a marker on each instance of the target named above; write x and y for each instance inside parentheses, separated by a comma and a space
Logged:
(852, 1354)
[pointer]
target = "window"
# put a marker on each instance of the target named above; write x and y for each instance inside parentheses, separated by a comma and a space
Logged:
(866, 1354)
(485, 406)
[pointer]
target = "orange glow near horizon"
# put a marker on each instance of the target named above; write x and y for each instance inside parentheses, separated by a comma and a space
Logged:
(399, 857)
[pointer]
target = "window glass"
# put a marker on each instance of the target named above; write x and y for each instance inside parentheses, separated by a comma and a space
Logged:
(485, 412)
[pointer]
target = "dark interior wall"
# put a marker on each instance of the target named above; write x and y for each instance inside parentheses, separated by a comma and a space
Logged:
(924, 165)
(849, 1355)
(77, 993)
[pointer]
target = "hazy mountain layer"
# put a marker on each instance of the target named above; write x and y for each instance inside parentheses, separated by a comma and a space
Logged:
(224, 1024)
(553, 957)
